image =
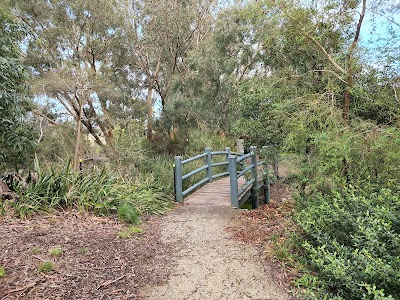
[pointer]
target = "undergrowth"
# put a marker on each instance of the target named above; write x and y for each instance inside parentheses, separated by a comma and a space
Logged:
(100, 191)
(2, 272)
(46, 266)
(350, 245)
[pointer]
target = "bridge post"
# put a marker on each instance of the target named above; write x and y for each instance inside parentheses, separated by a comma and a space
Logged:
(228, 153)
(178, 178)
(266, 179)
(209, 164)
(233, 181)
(254, 196)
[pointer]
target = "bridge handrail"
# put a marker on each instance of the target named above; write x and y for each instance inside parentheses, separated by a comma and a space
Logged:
(232, 161)
(238, 194)
(193, 158)
(208, 154)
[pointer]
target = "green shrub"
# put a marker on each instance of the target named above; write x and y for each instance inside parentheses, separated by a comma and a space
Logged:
(57, 251)
(129, 232)
(352, 243)
(128, 213)
(83, 250)
(100, 191)
(46, 266)
(2, 272)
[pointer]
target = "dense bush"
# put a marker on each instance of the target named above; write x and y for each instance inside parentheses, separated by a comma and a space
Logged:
(16, 131)
(348, 204)
(100, 191)
(352, 242)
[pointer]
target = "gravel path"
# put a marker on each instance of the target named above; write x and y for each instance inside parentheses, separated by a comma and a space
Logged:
(209, 264)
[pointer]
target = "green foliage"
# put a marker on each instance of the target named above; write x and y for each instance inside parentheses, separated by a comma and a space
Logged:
(57, 251)
(348, 205)
(156, 170)
(16, 132)
(129, 232)
(260, 114)
(36, 250)
(100, 191)
(83, 250)
(46, 266)
(353, 243)
(57, 144)
(336, 156)
(2, 272)
(128, 213)
(198, 140)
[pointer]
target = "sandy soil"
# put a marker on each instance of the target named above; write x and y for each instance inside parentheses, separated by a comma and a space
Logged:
(209, 263)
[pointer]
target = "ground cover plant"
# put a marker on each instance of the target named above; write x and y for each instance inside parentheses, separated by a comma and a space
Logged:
(99, 191)
(352, 242)
(46, 266)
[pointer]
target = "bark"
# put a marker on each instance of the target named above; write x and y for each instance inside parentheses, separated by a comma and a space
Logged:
(149, 99)
(349, 65)
(78, 138)
(149, 103)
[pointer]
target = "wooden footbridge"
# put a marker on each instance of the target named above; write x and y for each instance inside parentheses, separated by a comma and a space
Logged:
(248, 176)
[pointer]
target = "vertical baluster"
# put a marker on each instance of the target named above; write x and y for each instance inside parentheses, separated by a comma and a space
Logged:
(254, 196)
(233, 181)
(209, 164)
(178, 178)
(266, 178)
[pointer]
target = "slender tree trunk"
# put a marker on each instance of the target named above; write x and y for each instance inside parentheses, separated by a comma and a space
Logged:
(349, 64)
(78, 138)
(149, 103)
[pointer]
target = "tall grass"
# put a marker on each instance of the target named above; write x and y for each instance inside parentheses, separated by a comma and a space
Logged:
(100, 191)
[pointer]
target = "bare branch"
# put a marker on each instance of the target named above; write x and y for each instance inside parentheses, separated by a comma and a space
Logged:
(326, 71)
(385, 16)
(360, 20)
(38, 113)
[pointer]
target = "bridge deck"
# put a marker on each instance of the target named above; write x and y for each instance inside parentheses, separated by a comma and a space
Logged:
(217, 192)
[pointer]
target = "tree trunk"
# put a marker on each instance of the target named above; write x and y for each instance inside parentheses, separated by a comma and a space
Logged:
(149, 104)
(349, 64)
(78, 138)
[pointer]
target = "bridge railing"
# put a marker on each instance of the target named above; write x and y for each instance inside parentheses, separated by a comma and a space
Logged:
(208, 166)
(237, 166)
(250, 166)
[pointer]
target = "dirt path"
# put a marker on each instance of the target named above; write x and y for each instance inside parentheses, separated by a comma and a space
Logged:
(209, 264)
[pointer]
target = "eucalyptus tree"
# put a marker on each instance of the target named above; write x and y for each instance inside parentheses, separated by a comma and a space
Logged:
(230, 54)
(16, 134)
(72, 51)
(310, 19)
(161, 36)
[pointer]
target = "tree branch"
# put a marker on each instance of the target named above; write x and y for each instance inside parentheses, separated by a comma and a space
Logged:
(314, 41)
(327, 55)
(326, 71)
(386, 17)
(395, 93)
(360, 20)
(35, 112)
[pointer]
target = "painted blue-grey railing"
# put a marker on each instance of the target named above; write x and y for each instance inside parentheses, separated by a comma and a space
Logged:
(238, 165)
(208, 167)
(250, 167)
